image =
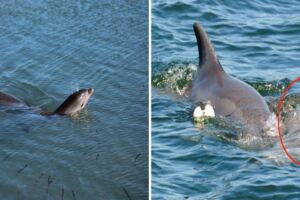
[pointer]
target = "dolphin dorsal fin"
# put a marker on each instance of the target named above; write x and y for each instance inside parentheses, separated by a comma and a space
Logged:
(208, 61)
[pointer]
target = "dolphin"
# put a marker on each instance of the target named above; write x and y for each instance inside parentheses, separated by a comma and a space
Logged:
(73, 104)
(8, 100)
(229, 96)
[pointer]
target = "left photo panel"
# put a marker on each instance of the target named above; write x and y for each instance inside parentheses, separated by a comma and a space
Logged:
(74, 99)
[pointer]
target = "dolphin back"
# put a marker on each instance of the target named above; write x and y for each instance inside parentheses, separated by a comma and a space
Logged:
(6, 99)
(228, 95)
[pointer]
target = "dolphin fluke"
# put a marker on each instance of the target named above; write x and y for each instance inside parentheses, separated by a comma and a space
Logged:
(208, 60)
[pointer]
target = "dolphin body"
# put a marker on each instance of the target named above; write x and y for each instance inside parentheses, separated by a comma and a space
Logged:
(229, 96)
(74, 103)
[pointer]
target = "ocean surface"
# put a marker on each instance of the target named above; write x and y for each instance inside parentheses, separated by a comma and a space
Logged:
(257, 42)
(48, 50)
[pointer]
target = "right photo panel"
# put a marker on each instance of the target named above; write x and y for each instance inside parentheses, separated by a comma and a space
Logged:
(225, 99)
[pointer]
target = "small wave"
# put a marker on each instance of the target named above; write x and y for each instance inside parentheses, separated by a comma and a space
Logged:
(290, 105)
(270, 128)
(271, 88)
(177, 7)
(177, 78)
(235, 132)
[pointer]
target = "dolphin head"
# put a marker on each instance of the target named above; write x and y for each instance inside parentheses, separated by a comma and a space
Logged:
(75, 102)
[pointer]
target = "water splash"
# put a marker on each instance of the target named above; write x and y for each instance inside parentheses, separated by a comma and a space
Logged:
(232, 131)
(177, 77)
(270, 127)
(269, 88)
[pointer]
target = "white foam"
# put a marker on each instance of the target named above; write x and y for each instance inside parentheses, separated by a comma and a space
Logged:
(270, 127)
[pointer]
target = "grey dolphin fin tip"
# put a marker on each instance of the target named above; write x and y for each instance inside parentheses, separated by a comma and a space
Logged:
(207, 57)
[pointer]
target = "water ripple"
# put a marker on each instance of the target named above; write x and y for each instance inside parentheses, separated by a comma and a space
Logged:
(256, 41)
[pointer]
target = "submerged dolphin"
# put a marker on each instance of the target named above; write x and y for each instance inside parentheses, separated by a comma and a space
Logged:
(74, 103)
(228, 95)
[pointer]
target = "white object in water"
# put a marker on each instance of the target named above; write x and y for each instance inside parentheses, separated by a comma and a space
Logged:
(198, 112)
(208, 111)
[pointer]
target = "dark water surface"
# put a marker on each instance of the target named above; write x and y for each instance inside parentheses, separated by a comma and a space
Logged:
(48, 49)
(256, 41)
